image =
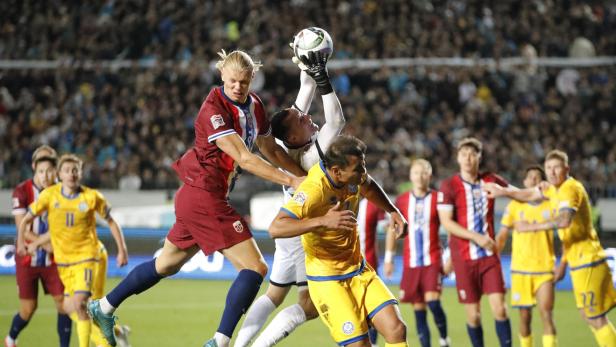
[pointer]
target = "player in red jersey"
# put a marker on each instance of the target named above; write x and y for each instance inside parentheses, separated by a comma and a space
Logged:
(29, 269)
(230, 122)
(368, 217)
(421, 257)
(467, 213)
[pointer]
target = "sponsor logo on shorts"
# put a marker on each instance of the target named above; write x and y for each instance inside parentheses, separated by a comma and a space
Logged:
(217, 121)
(238, 226)
(516, 296)
(15, 202)
(348, 328)
(463, 294)
(300, 198)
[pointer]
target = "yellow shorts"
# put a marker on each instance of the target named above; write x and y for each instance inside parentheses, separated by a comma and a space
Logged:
(346, 305)
(524, 288)
(77, 278)
(593, 288)
(100, 273)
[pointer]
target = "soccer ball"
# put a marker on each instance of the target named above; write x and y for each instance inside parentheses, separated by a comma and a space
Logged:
(312, 39)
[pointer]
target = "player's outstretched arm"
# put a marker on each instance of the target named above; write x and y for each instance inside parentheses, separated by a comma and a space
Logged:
(278, 156)
(453, 228)
(118, 236)
(306, 92)
(236, 149)
(375, 194)
(525, 195)
(285, 225)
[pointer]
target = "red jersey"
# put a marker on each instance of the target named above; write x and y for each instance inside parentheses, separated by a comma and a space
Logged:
(23, 195)
(207, 167)
(472, 210)
(422, 245)
(368, 216)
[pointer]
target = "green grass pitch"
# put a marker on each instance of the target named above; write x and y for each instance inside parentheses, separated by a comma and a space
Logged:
(186, 313)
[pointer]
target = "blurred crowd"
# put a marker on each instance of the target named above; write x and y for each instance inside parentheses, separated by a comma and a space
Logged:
(130, 124)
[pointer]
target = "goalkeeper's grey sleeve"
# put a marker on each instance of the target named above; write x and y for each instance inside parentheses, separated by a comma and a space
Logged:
(305, 93)
(334, 123)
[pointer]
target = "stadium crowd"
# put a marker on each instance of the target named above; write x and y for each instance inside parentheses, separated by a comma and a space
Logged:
(130, 124)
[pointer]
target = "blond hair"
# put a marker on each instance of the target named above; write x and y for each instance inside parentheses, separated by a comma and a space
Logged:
(37, 152)
(237, 60)
(69, 158)
(472, 142)
(423, 162)
(559, 155)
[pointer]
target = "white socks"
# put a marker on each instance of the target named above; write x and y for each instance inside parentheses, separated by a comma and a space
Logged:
(281, 326)
(106, 306)
(222, 340)
(256, 316)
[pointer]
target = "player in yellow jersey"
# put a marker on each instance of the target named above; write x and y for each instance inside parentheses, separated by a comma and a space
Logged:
(71, 210)
(346, 291)
(592, 281)
(532, 261)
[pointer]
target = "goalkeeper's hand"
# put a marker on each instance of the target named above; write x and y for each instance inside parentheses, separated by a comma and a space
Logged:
(296, 60)
(316, 67)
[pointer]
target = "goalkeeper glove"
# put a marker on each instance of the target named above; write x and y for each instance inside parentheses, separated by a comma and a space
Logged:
(316, 67)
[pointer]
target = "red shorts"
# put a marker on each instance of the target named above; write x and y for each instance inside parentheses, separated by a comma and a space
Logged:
(28, 278)
(417, 281)
(206, 219)
(477, 277)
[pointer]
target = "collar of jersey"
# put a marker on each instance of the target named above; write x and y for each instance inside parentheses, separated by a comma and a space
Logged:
(331, 181)
(420, 197)
(245, 104)
(72, 196)
(474, 185)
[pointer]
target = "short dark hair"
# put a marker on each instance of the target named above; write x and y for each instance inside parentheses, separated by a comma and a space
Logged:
(52, 160)
(472, 142)
(343, 147)
(535, 167)
(279, 129)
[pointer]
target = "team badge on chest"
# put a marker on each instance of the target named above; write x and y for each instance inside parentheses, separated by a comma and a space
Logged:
(83, 206)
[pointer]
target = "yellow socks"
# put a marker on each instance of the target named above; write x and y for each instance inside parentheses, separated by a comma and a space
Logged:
(550, 341)
(397, 344)
(526, 341)
(606, 335)
(84, 328)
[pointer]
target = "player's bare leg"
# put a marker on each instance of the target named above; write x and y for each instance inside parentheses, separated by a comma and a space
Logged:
(545, 304)
(248, 260)
(172, 258)
(526, 316)
(388, 322)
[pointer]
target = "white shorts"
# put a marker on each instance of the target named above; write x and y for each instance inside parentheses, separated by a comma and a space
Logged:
(289, 266)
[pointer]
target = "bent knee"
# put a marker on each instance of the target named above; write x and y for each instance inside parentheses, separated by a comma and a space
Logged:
(309, 309)
(396, 332)
(26, 312)
(259, 267)
(167, 269)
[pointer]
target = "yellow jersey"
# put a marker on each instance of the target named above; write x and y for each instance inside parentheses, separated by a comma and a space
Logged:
(330, 254)
(72, 222)
(580, 239)
(531, 252)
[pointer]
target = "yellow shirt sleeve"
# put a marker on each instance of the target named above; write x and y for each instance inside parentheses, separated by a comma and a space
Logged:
(41, 204)
(305, 198)
(101, 207)
(569, 198)
(509, 215)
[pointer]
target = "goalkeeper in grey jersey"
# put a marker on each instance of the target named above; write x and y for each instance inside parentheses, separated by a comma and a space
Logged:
(304, 141)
